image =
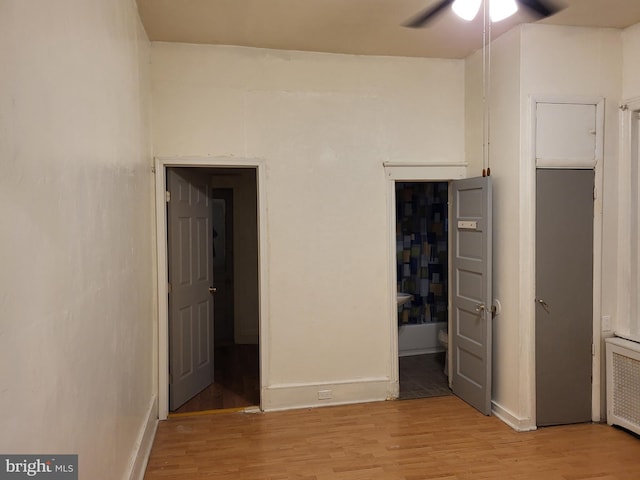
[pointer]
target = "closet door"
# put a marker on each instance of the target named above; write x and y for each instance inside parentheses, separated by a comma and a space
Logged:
(564, 295)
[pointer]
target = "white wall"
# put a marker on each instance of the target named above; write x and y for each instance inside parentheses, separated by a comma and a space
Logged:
(474, 113)
(574, 61)
(628, 322)
(536, 60)
(504, 150)
(631, 66)
(323, 125)
(77, 299)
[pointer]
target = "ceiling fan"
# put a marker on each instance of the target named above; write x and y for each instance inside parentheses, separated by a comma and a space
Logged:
(493, 11)
(467, 9)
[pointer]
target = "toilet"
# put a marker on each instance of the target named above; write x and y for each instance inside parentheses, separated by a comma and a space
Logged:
(443, 338)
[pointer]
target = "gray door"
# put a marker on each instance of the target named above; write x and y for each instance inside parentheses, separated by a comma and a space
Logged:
(190, 243)
(471, 292)
(564, 295)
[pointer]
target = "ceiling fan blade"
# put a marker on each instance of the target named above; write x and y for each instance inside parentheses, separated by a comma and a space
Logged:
(423, 18)
(539, 7)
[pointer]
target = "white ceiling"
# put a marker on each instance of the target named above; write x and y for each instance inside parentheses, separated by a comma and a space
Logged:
(365, 27)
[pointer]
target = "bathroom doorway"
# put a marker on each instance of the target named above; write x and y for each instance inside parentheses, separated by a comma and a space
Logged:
(422, 274)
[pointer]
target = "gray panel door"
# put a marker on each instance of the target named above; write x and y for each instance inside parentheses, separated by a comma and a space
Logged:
(564, 295)
(471, 292)
(190, 243)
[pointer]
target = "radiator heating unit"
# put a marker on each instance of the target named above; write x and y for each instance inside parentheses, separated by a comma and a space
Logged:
(623, 383)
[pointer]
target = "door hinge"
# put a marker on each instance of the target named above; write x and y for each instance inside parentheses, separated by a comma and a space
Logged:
(595, 193)
(168, 287)
(167, 196)
(593, 349)
(170, 378)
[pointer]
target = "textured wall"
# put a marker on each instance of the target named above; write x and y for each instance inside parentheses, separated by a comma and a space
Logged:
(323, 125)
(631, 67)
(76, 292)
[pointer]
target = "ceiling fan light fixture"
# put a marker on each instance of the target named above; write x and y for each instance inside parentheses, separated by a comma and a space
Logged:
(501, 9)
(466, 9)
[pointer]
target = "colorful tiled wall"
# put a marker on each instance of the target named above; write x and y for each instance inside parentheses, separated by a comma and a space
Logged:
(421, 246)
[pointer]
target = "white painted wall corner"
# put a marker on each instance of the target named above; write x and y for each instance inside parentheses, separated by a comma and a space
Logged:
(508, 417)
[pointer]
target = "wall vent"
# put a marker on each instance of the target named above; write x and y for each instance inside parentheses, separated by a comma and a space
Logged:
(623, 383)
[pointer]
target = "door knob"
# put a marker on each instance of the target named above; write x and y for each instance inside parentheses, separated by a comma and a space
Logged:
(213, 289)
(480, 307)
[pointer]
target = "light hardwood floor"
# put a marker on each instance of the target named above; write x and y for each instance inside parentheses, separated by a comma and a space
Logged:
(434, 438)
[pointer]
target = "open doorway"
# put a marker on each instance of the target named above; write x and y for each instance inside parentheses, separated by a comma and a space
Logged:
(458, 248)
(219, 333)
(422, 252)
(469, 277)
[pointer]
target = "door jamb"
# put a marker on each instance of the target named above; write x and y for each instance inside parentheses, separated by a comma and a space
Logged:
(160, 166)
(627, 208)
(408, 172)
(528, 278)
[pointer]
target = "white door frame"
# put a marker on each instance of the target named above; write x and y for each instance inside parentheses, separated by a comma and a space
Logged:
(627, 254)
(161, 164)
(528, 290)
(408, 172)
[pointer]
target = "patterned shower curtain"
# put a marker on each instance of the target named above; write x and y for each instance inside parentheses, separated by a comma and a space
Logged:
(421, 246)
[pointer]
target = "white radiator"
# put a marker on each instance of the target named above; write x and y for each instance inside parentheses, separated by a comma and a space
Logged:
(623, 383)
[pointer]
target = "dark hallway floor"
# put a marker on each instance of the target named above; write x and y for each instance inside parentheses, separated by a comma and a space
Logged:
(237, 381)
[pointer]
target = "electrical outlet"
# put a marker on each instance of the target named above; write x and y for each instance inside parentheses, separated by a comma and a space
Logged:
(325, 394)
(606, 323)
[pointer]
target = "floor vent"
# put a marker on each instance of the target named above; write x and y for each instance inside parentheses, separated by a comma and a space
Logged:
(623, 383)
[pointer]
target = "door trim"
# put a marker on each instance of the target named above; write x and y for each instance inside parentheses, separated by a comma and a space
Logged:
(405, 172)
(527, 245)
(160, 166)
(627, 210)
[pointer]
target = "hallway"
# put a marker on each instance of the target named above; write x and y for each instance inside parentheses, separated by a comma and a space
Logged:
(237, 380)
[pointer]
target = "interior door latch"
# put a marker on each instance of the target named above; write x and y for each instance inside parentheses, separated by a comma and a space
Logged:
(481, 307)
(544, 304)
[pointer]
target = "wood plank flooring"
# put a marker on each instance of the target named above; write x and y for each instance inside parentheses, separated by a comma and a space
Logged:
(434, 438)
